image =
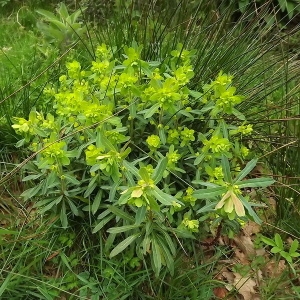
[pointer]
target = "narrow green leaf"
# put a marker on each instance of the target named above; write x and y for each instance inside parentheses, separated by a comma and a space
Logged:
(238, 114)
(151, 111)
(162, 135)
(97, 202)
(207, 208)
(74, 16)
(60, 26)
(249, 167)
(290, 7)
(32, 177)
(72, 179)
(64, 259)
(73, 207)
(45, 13)
(226, 169)
(159, 170)
(209, 193)
(199, 159)
(140, 214)
(112, 192)
(109, 242)
(63, 11)
(124, 244)
(102, 223)
(92, 185)
(144, 174)
(121, 213)
(31, 192)
(208, 184)
(132, 169)
(7, 231)
(255, 182)
(20, 143)
(167, 255)
(169, 241)
(251, 212)
(50, 204)
(63, 216)
(156, 256)
(164, 198)
(122, 228)
(103, 141)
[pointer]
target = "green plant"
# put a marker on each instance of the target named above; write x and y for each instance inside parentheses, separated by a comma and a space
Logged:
(279, 247)
(143, 199)
(62, 30)
(278, 8)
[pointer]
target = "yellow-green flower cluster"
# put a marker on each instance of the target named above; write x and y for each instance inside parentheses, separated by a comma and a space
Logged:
(126, 81)
(22, 126)
(216, 145)
(103, 53)
(133, 57)
(167, 95)
(244, 151)
(187, 136)
(99, 67)
(184, 74)
(182, 54)
(215, 174)
(74, 68)
(245, 129)
(91, 154)
(182, 136)
(173, 158)
(153, 142)
(188, 197)
(223, 79)
(227, 99)
(173, 136)
(28, 128)
(55, 154)
(191, 225)
(138, 196)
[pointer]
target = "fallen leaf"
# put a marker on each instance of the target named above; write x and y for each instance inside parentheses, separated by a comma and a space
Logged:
(251, 228)
(228, 275)
(274, 269)
(245, 244)
(241, 257)
(260, 252)
(220, 292)
(245, 286)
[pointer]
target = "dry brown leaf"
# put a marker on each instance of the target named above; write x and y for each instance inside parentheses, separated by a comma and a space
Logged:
(245, 244)
(228, 275)
(274, 269)
(260, 252)
(245, 286)
(241, 257)
(220, 292)
(251, 228)
(272, 203)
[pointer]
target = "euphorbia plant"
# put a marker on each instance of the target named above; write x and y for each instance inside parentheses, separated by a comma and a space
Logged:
(133, 145)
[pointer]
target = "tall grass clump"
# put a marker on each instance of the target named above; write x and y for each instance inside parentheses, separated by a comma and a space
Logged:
(147, 148)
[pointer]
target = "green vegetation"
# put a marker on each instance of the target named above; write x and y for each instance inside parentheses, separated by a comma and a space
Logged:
(149, 150)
